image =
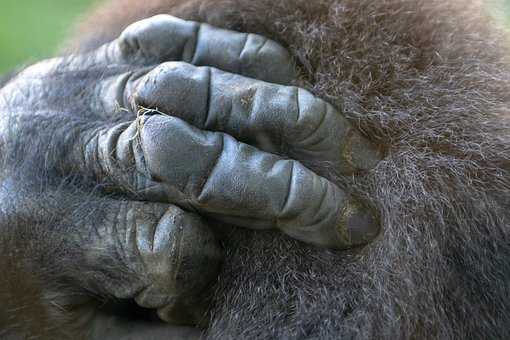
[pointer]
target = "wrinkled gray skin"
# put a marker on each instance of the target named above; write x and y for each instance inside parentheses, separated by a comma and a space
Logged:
(170, 135)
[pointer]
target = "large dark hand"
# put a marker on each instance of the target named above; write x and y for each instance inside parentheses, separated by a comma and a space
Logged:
(169, 120)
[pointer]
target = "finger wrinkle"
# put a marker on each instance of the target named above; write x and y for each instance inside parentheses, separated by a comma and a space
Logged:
(198, 35)
(261, 46)
(209, 97)
(217, 161)
(290, 190)
(243, 47)
(315, 130)
(190, 48)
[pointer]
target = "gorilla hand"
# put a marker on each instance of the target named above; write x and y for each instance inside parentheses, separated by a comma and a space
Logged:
(156, 118)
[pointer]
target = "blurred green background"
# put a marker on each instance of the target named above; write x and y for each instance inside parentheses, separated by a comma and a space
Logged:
(32, 29)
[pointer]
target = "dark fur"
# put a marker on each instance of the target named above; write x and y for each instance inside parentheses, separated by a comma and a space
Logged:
(429, 81)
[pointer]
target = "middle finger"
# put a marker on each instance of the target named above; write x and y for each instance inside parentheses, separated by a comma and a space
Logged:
(280, 119)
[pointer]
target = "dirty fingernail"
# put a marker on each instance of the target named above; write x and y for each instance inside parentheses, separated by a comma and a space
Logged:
(360, 153)
(358, 225)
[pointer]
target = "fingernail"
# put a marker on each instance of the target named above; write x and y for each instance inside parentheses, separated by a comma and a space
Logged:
(358, 224)
(185, 312)
(360, 153)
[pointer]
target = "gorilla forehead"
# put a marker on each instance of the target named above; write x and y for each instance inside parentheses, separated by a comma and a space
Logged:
(428, 80)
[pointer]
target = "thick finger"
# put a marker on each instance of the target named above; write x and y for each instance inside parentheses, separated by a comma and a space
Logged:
(275, 118)
(157, 254)
(167, 38)
(165, 159)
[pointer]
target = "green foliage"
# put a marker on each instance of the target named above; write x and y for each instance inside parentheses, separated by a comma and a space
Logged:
(32, 29)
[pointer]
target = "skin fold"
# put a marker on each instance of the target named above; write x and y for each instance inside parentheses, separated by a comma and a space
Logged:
(426, 82)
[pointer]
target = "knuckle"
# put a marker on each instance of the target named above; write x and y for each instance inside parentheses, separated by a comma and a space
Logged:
(142, 91)
(130, 42)
(169, 86)
(127, 44)
(146, 38)
(131, 39)
(179, 251)
(162, 138)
